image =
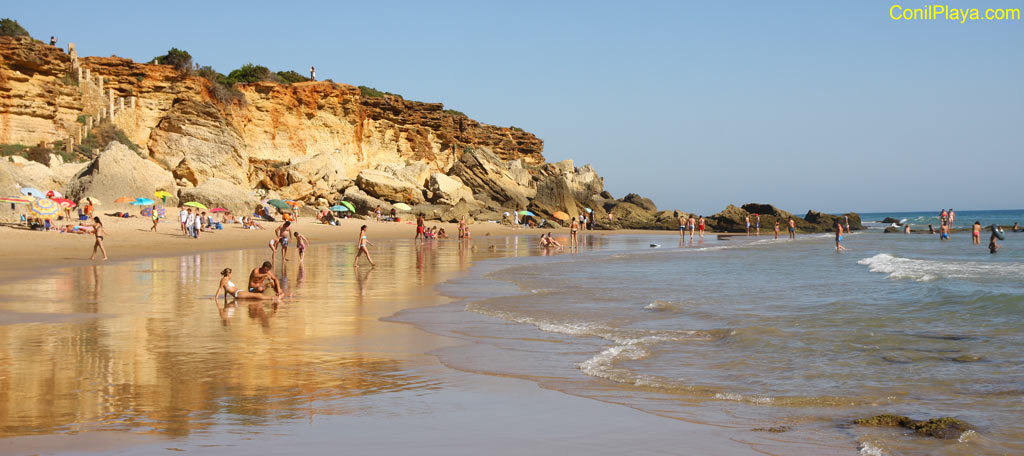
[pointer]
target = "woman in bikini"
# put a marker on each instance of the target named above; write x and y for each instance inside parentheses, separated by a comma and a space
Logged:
(362, 249)
(99, 232)
(976, 233)
(230, 289)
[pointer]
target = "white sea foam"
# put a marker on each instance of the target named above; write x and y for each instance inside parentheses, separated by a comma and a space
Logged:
(660, 305)
(867, 449)
(928, 270)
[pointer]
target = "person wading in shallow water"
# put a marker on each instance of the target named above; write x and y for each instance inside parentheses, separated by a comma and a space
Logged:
(99, 232)
(362, 249)
(839, 236)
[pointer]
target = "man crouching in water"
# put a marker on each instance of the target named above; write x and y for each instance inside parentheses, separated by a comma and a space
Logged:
(259, 276)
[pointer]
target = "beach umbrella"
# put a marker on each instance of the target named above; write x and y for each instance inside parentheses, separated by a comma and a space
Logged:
(280, 204)
(402, 206)
(54, 194)
(219, 209)
(64, 202)
(339, 208)
(143, 202)
(32, 192)
(294, 204)
(91, 199)
(196, 205)
(589, 210)
(124, 199)
(15, 200)
(45, 207)
(531, 214)
(348, 205)
(148, 211)
(162, 195)
(560, 215)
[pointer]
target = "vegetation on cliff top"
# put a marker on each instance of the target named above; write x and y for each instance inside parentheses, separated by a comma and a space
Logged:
(11, 27)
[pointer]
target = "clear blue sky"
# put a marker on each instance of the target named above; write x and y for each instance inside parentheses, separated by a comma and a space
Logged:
(808, 105)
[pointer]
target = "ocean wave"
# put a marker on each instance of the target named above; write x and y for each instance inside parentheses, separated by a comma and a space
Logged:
(868, 449)
(660, 306)
(928, 270)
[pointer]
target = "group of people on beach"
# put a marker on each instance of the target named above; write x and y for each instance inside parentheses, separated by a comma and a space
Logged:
(691, 223)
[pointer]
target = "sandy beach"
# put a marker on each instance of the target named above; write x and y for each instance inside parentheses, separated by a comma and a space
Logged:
(320, 370)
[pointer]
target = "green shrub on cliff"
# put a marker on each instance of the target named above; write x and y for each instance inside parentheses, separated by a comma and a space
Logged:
(101, 136)
(371, 92)
(250, 73)
(11, 27)
(291, 77)
(219, 86)
(179, 59)
(455, 113)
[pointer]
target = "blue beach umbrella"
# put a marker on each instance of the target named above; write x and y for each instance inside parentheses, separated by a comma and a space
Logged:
(33, 192)
(339, 208)
(142, 202)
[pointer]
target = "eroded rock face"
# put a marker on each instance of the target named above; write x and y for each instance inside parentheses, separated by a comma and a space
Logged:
(731, 220)
(215, 192)
(364, 203)
(640, 201)
(118, 172)
(197, 142)
(382, 185)
(448, 190)
(482, 171)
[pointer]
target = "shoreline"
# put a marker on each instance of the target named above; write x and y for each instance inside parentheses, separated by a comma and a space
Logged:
(464, 412)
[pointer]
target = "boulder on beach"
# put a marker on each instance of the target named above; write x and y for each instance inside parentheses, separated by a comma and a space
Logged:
(363, 202)
(216, 192)
(382, 185)
(118, 172)
(448, 190)
(644, 203)
(732, 219)
(891, 220)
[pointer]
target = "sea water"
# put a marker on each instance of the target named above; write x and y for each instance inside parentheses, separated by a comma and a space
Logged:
(964, 219)
(786, 341)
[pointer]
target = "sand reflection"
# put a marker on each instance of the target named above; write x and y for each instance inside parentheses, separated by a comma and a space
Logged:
(143, 345)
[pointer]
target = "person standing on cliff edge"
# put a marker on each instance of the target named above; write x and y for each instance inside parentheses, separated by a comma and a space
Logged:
(312, 73)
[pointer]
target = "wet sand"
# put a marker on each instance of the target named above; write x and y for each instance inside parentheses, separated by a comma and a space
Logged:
(135, 357)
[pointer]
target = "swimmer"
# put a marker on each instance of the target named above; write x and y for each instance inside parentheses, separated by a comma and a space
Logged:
(362, 248)
(259, 276)
(976, 233)
(993, 246)
(229, 289)
(99, 232)
(944, 232)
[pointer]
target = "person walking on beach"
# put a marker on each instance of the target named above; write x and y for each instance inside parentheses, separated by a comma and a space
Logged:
(462, 227)
(99, 232)
(682, 227)
(700, 227)
(747, 218)
(301, 243)
(757, 224)
(282, 233)
(839, 236)
(693, 226)
(231, 290)
(574, 240)
(419, 227)
(792, 228)
(197, 223)
(183, 218)
(976, 233)
(190, 220)
(156, 218)
(846, 220)
(362, 249)
(776, 229)
(259, 276)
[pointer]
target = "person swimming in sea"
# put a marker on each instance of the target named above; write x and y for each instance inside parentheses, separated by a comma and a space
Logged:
(993, 246)
(231, 290)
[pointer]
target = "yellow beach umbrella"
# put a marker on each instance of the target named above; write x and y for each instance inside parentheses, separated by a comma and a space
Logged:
(45, 207)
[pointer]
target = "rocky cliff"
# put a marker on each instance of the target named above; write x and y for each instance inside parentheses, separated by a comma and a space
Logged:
(179, 123)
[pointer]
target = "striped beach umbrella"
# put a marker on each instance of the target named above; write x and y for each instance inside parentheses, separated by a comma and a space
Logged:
(45, 207)
(15, 200)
